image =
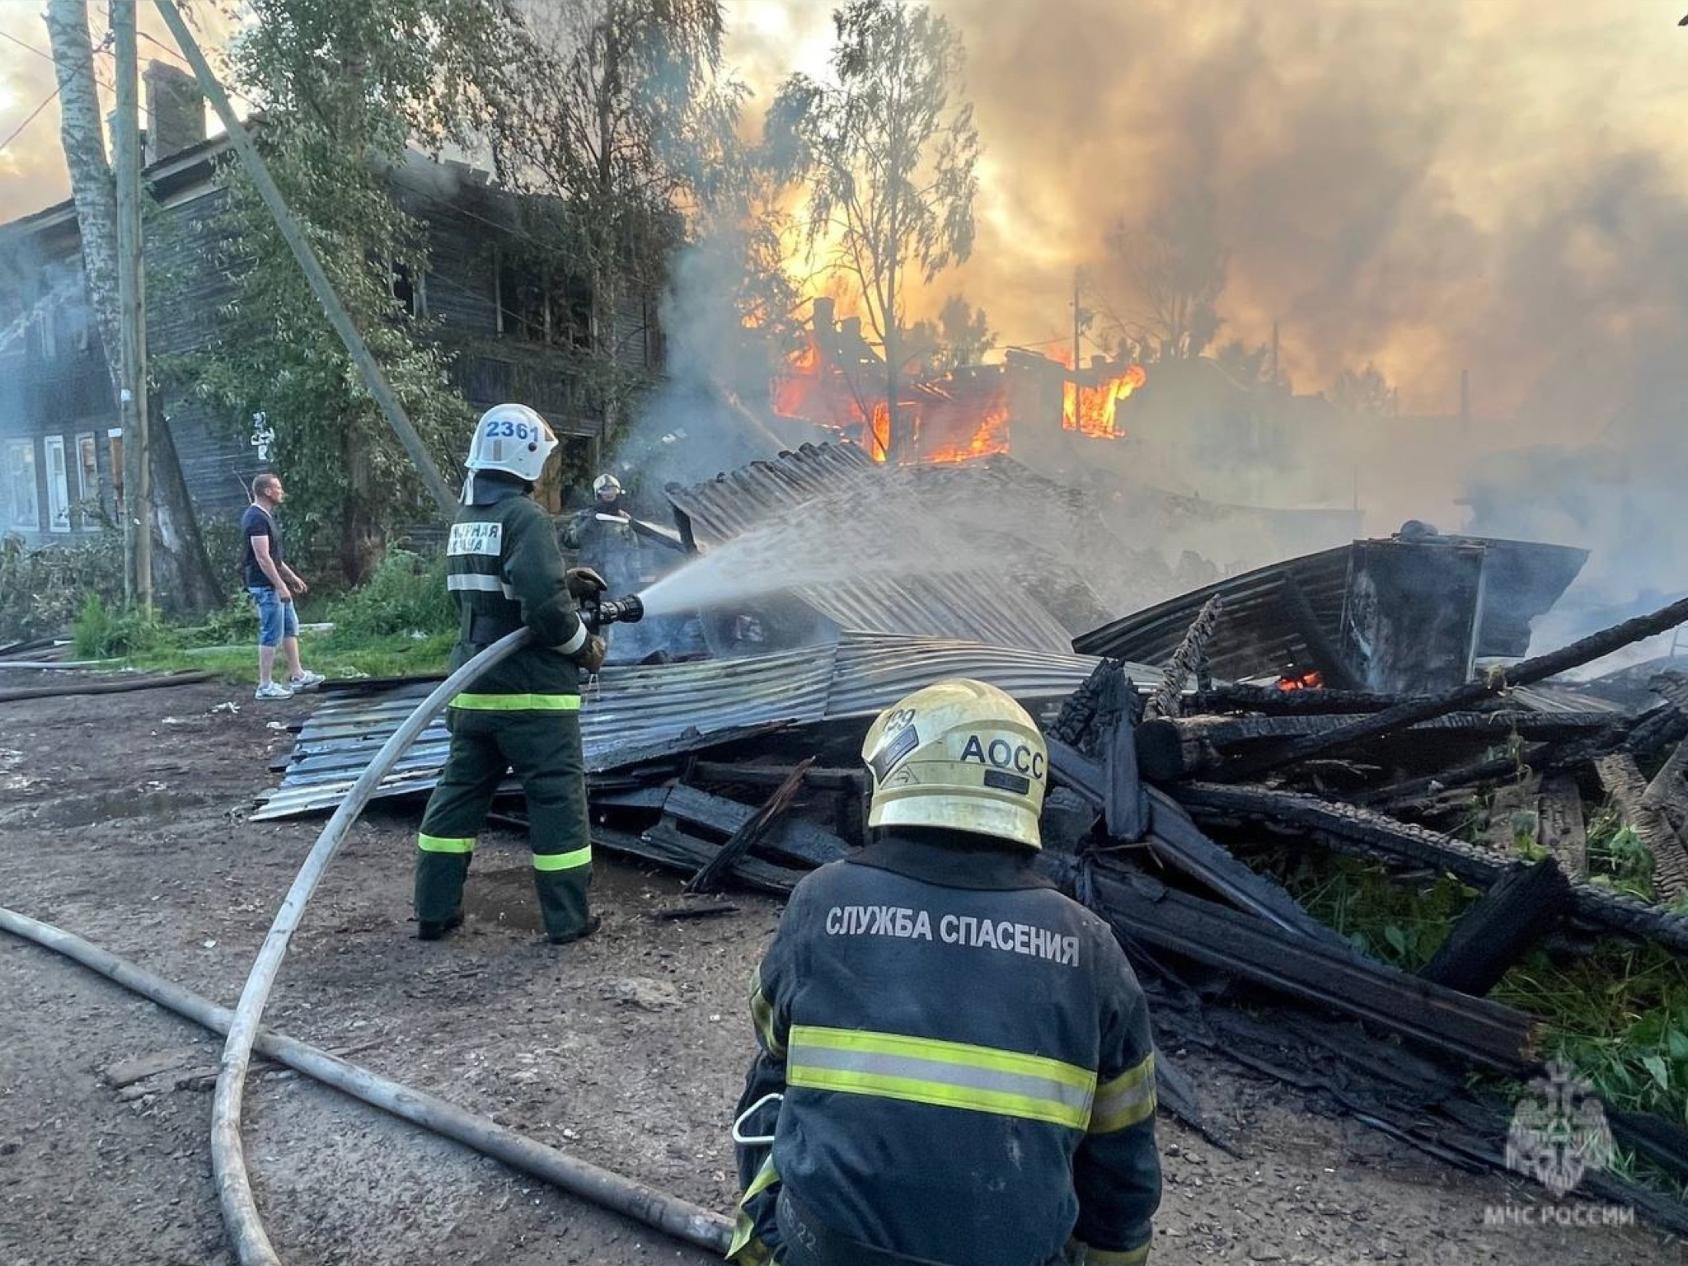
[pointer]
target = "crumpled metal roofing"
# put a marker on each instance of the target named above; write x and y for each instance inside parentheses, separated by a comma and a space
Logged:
(969, 605)
(637, 713)
(1257, 635)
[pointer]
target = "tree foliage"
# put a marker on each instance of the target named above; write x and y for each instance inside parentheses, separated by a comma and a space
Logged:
(961, 335)
(1173, 268)
(1364, 393)
(345, 90)
(620, 126)
(889, 150)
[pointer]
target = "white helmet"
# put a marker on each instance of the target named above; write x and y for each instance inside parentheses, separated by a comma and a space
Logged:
(606, 483)
(514, 439)
(959, 754)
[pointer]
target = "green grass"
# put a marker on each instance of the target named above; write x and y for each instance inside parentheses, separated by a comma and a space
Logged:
(400, 623)
(1618, 1014)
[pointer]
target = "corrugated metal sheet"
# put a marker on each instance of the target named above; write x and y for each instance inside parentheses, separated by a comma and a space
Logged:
(1257, 634)
(968, 605)
(637, 711)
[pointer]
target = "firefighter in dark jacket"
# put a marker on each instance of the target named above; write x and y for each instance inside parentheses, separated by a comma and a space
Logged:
(954, 1063)
(523, 715)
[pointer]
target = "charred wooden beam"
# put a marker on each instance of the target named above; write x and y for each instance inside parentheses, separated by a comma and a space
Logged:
(667, 846)
(1275, 702)
(1185, 661)
(1490, 684)
(1501, 926)
(1147, 913)
(1623, 780)
(1179, 843)
(1326, 655)
(791, 840)
(1125, 807)
(750, 832)
(1350, 828)
(1177, 748)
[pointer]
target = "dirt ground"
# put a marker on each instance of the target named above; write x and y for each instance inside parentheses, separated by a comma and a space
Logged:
(122, 819)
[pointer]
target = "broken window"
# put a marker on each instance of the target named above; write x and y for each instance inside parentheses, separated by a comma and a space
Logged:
(23, 506)
(410, 291)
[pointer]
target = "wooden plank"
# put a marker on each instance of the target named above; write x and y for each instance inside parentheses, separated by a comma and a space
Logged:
(1178, 842)
(667, 846)
(1148, 913)
(796, 841)
(711, 873)
(1622, 778)
(1563, 826)
(1500, 928)
(1350, 828)
(1512, 814)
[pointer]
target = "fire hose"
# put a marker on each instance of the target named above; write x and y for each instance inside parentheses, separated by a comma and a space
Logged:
(228, 1156)
(627, 1196)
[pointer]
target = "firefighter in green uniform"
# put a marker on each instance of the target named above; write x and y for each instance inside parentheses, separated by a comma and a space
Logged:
(505, 572)
(954, 1063)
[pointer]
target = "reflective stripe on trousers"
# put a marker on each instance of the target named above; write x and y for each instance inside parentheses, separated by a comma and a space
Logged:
(942, 1074)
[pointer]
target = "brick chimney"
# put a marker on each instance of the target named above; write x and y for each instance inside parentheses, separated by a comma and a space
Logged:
(175, 111)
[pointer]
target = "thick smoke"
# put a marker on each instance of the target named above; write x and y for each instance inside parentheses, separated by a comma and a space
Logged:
(698, 423)
(1428, 185)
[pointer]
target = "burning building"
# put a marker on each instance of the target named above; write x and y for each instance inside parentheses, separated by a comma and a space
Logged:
(1040, 409)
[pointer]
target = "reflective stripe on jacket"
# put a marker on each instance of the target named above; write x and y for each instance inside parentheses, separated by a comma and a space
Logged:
(966, 1062)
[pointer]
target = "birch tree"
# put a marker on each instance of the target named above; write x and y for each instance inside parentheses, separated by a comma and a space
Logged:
(890, 149)
(188, 583)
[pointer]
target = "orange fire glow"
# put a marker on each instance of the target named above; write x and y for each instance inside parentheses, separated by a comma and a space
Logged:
(991, 435)
(1313, 680)
(966, 415)
(1091, 410)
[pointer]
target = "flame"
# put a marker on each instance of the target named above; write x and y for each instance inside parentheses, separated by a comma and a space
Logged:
(991, 435)
(1313, 680)
(1091, 410)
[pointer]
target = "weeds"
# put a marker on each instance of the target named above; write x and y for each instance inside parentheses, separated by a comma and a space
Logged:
(1618, 1014)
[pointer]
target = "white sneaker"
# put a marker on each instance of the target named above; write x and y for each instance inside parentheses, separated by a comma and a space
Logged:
(272, 690)
(305, 681)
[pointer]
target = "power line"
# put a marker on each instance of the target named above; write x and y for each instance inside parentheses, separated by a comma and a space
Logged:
(103, 46)
(32, 115)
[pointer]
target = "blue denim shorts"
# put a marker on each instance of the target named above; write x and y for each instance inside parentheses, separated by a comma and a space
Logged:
(276, 619)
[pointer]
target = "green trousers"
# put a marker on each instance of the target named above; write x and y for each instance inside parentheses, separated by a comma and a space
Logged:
(542, 747)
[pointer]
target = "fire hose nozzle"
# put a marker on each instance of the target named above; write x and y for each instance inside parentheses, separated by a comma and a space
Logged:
(628, 610)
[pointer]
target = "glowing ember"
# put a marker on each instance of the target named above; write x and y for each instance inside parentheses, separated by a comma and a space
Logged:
(1314, 680)
(1090, 410)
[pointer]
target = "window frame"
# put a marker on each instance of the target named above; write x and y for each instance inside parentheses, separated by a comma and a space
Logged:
(57, 482)
(7, 452)
(87, 462)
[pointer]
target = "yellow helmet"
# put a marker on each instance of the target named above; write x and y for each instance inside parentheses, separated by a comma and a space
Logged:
(959, 754)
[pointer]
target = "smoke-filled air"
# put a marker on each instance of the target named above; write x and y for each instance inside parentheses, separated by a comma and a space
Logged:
(1453, 236)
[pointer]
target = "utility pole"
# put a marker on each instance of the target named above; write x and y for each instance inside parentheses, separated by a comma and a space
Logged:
(1275, 378)
(131, 302)
(1077, 320)
(373, 379)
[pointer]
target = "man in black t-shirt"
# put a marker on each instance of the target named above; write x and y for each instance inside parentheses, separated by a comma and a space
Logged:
(272, 584)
